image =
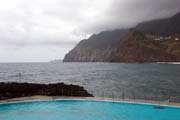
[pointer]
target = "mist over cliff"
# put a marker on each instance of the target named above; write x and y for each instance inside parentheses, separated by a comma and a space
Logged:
(151, 41)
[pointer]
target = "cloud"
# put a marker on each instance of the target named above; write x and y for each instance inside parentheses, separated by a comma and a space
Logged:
(128, 13)
(44, 24)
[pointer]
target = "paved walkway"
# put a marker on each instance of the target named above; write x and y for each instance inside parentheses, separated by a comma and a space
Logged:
(87, 98)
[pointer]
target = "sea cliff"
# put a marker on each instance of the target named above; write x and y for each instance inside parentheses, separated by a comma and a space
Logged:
(152, 41)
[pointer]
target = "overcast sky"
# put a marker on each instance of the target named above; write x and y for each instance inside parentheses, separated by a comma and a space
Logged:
(43, 30)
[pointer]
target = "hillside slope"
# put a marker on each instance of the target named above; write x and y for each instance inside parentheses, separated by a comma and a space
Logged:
(168, 26)
(153, 41)
(141, 47)
(97, 48)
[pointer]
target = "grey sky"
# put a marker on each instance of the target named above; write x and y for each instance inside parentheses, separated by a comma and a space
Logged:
(42, 30)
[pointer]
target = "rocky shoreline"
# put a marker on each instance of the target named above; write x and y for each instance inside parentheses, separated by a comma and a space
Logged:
(13, 90)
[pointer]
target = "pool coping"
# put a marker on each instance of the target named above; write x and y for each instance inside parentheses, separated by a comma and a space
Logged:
(38, 98)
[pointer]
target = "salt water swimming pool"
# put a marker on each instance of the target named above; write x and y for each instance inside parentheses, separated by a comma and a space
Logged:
(70, 109)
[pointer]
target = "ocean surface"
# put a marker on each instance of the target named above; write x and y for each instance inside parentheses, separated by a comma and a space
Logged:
(146, 81)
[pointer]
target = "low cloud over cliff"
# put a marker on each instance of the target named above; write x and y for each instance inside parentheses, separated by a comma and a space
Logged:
(39, 30)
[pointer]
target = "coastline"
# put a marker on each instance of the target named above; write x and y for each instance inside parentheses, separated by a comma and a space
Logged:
(41, 97)
(175, 63)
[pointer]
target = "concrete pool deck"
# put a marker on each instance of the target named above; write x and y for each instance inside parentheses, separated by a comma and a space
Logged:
(88, 98)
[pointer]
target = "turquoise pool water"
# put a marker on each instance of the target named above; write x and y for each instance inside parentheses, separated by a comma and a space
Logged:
(86, 110)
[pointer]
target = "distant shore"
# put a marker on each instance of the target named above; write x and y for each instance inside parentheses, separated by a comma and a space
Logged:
(15, 90)
(169, 62)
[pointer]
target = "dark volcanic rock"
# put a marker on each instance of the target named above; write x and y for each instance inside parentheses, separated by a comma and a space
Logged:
(12, 90)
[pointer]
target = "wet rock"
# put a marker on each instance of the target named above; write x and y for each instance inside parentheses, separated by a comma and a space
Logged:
(13, 90)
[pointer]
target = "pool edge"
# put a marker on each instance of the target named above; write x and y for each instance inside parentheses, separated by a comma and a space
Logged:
(45, 98)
